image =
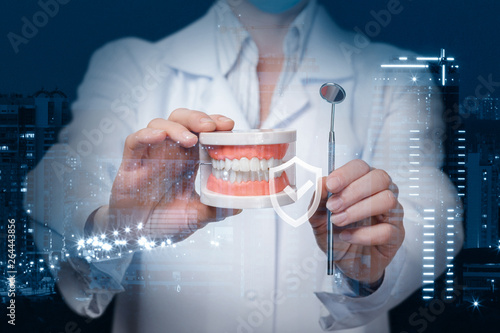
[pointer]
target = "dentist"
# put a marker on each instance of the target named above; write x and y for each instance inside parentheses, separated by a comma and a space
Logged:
(245, 64)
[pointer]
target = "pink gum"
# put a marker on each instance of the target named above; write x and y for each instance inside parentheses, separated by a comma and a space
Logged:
(276, 151)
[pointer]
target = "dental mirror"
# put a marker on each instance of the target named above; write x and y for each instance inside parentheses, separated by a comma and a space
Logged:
(333, 94)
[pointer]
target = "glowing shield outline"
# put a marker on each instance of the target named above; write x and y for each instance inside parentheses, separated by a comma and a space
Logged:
(273, 195)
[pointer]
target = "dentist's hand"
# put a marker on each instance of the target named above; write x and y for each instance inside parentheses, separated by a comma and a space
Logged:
(367, 220)
(155, 182)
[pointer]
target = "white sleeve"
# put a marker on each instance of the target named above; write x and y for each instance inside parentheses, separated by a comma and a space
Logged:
(430, 203)
(76, 175)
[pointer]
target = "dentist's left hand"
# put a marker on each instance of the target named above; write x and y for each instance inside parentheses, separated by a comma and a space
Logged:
(367, 220)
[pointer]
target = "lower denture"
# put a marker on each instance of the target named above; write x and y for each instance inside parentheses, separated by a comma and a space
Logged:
(249, 188)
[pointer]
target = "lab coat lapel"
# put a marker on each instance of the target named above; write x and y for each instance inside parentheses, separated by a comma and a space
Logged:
(288, 105)
(190, 51)
(323, 61)
(324, 58)
(326, 49)
(219, 99)
(196, 54)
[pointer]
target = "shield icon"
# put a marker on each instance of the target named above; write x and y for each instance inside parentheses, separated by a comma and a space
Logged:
(295, 195)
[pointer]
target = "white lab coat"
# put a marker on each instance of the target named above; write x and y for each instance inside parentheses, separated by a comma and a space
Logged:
(264, 276)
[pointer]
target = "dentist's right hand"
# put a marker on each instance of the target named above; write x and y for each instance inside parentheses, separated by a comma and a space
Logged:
(154, 190)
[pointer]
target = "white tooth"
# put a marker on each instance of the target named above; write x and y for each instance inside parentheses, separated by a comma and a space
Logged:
(266, 175)
(254, 164)
(220, 164)
(244, 176)
(252, 176)
(238, 177)
(214, 164)
(244, 164)
(216, 173)
(270, 162)
(263, 164)
(225, 175)
(232, 176)
(235, 165)
(227, 164)
(260, 176)
(278, 174)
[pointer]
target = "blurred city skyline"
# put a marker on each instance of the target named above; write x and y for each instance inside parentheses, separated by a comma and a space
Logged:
(56, 51)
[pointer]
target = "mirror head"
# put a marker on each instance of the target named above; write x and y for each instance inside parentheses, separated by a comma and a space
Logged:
(332, 93)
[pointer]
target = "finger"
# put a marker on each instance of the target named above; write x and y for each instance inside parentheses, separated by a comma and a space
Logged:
(137, 143)
(317, 221)
(373, 182)
(323, 197)
(324, 190)
(379, 203)
(194, 121)
(345, 175)
(223, 123)
(175, 131)
(378, 234)
(395, 189)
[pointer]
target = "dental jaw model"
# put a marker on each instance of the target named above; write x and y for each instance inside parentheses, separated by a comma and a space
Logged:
(235, 168)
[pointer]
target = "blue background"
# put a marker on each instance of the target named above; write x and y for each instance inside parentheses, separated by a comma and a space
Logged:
(59, 53)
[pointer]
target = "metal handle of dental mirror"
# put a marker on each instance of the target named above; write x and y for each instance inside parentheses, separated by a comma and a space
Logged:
(333, 94)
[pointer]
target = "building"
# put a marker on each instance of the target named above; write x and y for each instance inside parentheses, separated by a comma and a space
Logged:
(432, 83)
(28, 128)
(479, 263)
(483, 218)
(480, 276)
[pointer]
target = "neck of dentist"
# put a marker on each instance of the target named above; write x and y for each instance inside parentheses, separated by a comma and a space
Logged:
(268, 31)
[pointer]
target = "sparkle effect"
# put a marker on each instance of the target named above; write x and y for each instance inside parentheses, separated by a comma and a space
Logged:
(475, 304)
(106, 246)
